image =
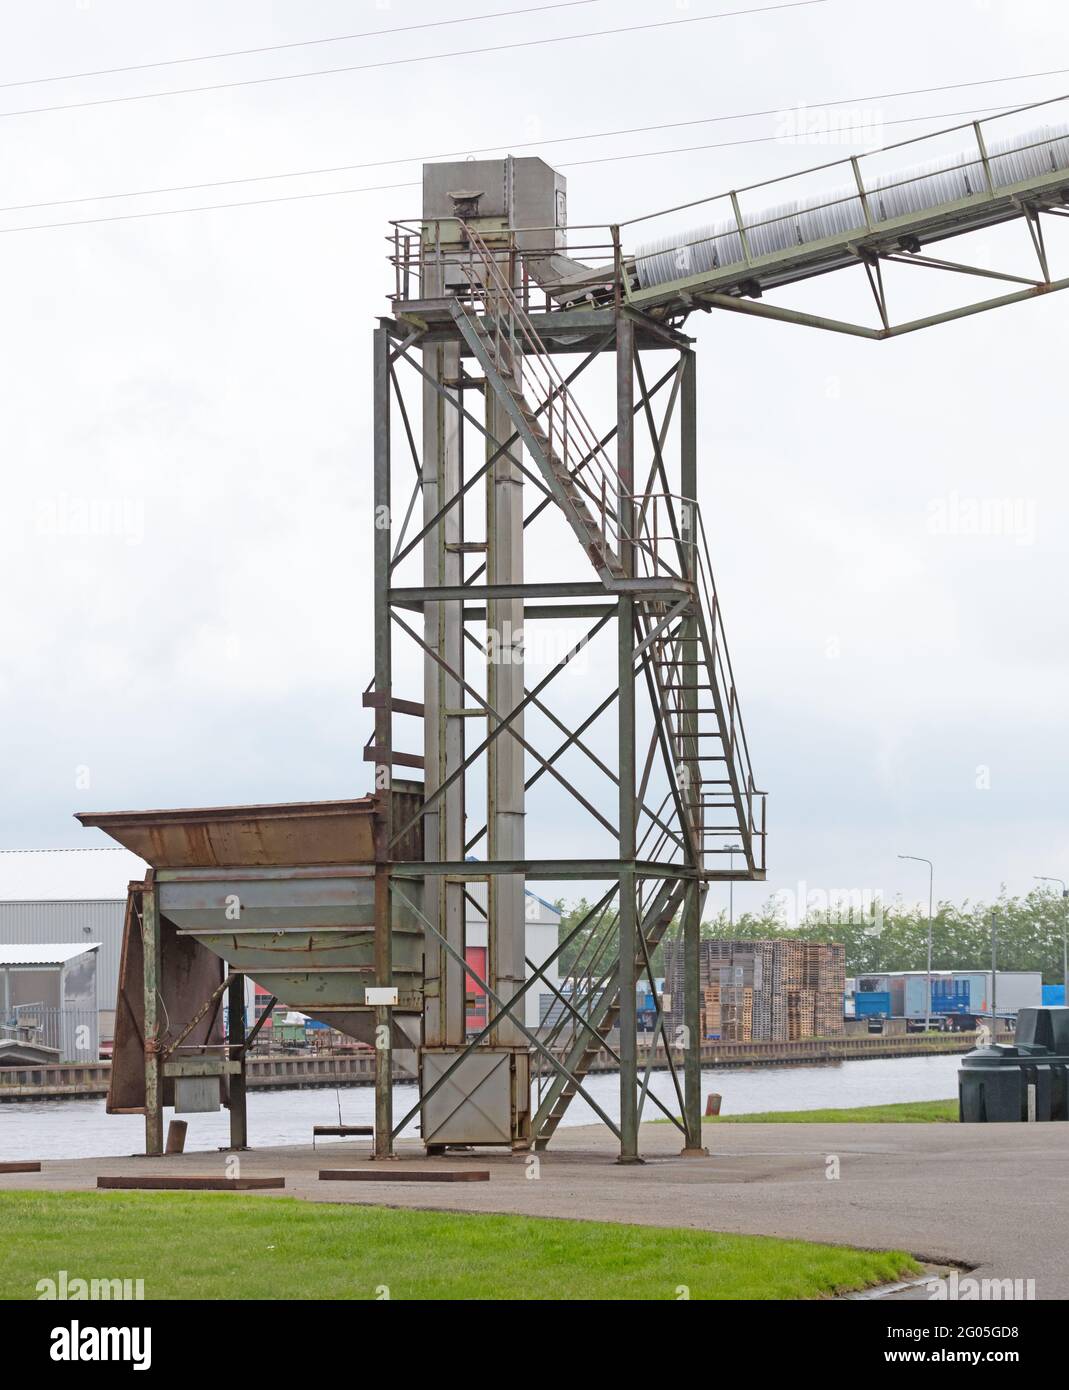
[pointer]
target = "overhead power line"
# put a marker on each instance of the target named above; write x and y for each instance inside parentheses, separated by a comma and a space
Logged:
(783, 139)
(420, 58)
(415, 183)
(71, 849)
(300, 43)
(540, 144)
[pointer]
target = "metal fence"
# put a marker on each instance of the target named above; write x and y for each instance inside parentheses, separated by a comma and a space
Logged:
(73, 1033)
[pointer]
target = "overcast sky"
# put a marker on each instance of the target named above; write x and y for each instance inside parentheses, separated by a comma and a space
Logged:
(200, 381)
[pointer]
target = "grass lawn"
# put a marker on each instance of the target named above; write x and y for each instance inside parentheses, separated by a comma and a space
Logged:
(213, 1245)
(910, 1112)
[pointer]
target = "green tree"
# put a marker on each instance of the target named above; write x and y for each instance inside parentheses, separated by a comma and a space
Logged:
(891, 937)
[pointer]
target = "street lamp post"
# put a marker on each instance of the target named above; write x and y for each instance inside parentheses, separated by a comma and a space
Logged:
(931, 877)
(1047, 878)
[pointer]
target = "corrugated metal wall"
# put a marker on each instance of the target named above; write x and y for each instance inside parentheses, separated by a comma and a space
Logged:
(96, 919)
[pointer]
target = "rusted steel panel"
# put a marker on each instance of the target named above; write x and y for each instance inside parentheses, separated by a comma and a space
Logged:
(189, 974)
(126, 1084)
(309, 941)
(283, 893)
(325, 832)
(289, 833)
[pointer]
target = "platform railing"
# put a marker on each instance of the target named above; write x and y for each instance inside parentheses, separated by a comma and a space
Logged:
(992, 159)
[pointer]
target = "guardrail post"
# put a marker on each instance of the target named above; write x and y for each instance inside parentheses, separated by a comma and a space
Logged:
(861, 190)
(982, 145)
(743, 238)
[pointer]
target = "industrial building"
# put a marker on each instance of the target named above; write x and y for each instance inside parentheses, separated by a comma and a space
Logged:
(541, 938)
(48, 998)
(75, 922)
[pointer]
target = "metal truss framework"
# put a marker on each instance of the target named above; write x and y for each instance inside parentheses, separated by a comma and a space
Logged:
(464, 326)
(680, 805)
(1001, 174)
(874, 254)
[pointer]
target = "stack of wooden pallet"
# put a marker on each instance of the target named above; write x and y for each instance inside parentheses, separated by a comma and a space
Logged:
(763, 996)
(728, 1012)
(764, 990)
(740, 1021)
(828, 1018)
(715, 959)
(801, 1013)
(778, 1010)
(711, 1011)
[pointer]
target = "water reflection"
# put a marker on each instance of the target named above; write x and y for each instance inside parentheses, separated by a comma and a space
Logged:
(81, 1129)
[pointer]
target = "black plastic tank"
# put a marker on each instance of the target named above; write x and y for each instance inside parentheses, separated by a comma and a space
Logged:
(1027, 1081)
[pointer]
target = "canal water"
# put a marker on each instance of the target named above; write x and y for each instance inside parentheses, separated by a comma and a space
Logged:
(81, 1129)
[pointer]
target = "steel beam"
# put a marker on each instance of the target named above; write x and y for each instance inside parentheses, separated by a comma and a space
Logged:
(444, 734)
(384, 706)
(505, 791)
(690, 769)
(235, 1028)
(150, 935)
(628, 816)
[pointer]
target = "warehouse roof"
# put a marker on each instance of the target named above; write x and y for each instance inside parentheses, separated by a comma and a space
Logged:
(45, 955)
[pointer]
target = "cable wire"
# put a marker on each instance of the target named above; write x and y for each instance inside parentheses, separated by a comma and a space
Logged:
(300, 43)
(71, 849)
(415, 183)
(536, 144)
(402, 62)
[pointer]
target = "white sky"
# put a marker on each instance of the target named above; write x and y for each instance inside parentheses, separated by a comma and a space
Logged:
(205, 376)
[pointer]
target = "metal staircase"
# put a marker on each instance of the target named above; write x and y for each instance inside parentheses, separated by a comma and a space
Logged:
(552, 433)
(595, 1006)
(652, 546)
(691, 682)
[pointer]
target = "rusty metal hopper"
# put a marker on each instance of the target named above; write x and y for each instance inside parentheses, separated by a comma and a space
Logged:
(285, 894)
(292, 833)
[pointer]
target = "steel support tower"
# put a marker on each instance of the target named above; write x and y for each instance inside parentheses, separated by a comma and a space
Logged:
(490, 476)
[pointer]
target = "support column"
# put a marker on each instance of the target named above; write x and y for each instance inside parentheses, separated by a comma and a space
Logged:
(629, 925)
(235, 1028)
(383, 1144)
(443, 698)
(690, 773)
(506, 900)
(692, 1066)
(150, 937)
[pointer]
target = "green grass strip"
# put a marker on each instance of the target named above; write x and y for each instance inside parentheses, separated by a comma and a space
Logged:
(218, 1246)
